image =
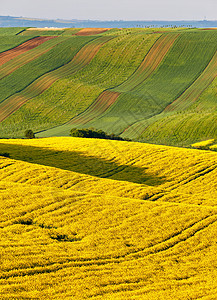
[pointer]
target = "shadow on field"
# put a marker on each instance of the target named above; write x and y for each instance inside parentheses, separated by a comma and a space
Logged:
(78, 162)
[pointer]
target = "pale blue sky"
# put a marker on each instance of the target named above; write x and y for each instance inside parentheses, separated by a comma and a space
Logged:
(112, 9)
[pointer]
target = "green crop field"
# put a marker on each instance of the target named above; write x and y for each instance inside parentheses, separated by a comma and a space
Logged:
(129, 82)
(185, 61)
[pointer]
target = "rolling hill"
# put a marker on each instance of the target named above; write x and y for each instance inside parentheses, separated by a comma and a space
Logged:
(100, 219)
(149, 85)
(105, 219)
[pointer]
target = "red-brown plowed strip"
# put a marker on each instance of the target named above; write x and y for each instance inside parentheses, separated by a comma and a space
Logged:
(209, 28)
(102, 103)
(6, 69)
(151, 61)
(147, 67)
(157, 53)
(80, 60)
(11, 105)
(195, 90)
(8, 55)
(91, 31)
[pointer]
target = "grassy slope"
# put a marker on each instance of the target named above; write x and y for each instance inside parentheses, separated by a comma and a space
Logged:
(12, 41)
(11, 31)
(191, 94)
(120, 220)
(140, 99)
(17, 62)
(53, 59)
(191, 117)
(10, 38)
(185, 61)
(146, 68)
(80, 60)
(196, 123)
(85, 85)
(105, 74)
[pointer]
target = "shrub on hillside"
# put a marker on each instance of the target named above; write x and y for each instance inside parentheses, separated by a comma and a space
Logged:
(92, 133)
(29, 134)
(5, 154)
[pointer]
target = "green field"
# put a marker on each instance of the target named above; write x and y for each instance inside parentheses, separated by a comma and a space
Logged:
(130, 82)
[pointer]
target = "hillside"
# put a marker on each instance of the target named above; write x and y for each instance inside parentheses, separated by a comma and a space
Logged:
(85, 218)
(149, 85)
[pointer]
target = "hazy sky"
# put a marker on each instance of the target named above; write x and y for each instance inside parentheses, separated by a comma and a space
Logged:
(112, 9)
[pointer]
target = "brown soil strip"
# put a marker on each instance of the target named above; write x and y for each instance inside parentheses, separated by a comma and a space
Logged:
(147, 67)
(81, 59)
(7, 70)
(209, 28)
(12, 53)
(157, 53)
(151, 61)
(91, 31)
(102, 103)
(10, 105)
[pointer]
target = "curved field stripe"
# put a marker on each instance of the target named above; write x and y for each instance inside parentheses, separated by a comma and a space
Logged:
(27, 57)
(147, 67)
(102, 103)
(136, 129)
(8, 55)
(80, 60)
(151, 61)
(208, 28)
(194, 91)
(91, 31)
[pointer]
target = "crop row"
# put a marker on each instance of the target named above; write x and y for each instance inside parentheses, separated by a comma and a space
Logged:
(164, 67)
(197, 123)
(149, 64)
(82, 58)
(51, 60)
(97, 72)
(11, 31)
(12, 41)
(120, 64)
(28, 56)
(183, 65)
(59, 223)
(181, 129)
(29, 45)
(195, 90)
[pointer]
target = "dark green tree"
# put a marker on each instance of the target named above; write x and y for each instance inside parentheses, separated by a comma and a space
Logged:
(29, 134)
(94, 133)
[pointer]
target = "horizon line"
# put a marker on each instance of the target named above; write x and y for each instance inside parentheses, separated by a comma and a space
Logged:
(114, 20)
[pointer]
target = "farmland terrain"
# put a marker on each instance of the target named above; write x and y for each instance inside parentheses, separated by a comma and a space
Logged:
(99, 219)
(148, 85)
(105, 219)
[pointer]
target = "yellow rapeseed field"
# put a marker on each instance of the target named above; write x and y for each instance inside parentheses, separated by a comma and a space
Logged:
(102, 219)
(202, 144)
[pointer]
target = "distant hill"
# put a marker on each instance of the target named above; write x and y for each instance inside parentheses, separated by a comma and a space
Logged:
(156, 85)
(7, 21)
